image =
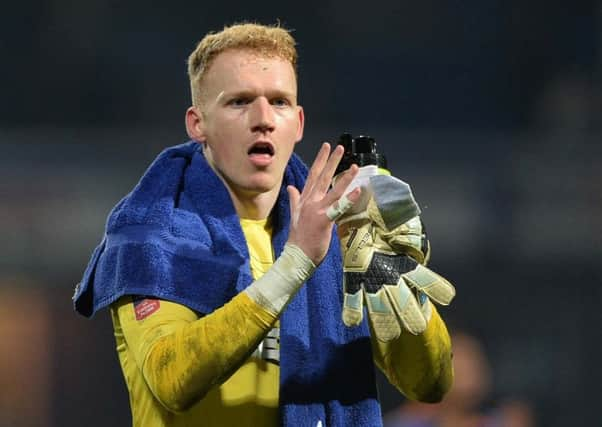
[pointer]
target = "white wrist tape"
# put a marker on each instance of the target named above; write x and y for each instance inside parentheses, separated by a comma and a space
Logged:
(281, 282)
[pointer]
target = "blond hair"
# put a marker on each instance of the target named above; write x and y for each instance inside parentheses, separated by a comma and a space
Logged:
(268, 41)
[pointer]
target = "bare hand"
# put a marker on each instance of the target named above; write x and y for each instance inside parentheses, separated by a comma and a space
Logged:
(311, 228)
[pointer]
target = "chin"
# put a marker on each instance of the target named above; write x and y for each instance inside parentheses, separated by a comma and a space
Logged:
(260, 188)
(262, 184)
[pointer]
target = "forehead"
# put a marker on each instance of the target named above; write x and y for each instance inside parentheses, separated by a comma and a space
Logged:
(242, 67)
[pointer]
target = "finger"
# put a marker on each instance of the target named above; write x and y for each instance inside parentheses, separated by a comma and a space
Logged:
(338, 208)
(436, 287)
(293, 195)
(353, 308)
(325, 178)
(341, 206)
(406, 307)
(341, 185)
(317, 166)
(382, 316)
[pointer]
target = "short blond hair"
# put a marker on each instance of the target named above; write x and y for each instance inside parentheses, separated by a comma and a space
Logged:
(268, 41)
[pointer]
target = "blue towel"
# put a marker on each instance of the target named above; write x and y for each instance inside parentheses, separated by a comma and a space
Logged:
(177, 237)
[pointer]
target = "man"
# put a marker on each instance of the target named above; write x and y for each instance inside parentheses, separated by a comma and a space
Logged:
(223, 274)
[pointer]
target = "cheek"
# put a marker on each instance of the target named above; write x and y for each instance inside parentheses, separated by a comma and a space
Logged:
(292, 133)
(290, 123)
(221, 139)
(229, 131)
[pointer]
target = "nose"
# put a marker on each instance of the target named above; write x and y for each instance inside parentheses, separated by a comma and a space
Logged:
(262, 116)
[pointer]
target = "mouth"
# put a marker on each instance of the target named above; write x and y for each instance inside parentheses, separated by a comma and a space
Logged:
(261, 148)
(261, 154)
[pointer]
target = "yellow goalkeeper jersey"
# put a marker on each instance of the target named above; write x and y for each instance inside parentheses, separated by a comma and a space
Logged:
(248, 396)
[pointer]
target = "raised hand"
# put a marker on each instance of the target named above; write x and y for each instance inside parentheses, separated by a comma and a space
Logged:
(312, 209)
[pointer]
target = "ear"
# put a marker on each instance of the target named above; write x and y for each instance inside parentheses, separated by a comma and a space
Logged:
(301, 124)
(195, 125)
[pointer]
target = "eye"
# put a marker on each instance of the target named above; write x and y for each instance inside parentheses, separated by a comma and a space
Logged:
(281, 102)
(239, 101)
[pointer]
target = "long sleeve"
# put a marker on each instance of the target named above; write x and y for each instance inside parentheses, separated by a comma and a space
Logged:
(182, 356)
(420, 366)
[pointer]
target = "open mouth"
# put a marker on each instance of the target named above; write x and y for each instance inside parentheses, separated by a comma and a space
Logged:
(261, 148)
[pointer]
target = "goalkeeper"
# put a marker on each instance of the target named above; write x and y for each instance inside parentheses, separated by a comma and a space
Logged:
(223, 273)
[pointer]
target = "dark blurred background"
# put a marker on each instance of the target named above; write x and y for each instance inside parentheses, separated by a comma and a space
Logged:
(491, 110)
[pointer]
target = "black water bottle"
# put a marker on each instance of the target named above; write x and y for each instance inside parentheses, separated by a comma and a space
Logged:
(363, 151)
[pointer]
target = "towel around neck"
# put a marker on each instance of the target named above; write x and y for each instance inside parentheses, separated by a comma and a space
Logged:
(177, 237)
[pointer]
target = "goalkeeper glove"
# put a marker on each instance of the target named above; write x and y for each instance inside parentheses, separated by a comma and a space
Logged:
(385, 252)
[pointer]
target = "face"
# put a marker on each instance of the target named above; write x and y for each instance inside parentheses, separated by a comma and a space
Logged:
(248, 119)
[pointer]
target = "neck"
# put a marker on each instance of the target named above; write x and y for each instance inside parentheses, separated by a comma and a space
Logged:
(254, 205)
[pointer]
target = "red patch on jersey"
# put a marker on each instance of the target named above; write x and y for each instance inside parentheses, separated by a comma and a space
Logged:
(145, 307)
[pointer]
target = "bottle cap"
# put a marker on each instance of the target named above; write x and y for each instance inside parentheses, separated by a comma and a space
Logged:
(361, 150)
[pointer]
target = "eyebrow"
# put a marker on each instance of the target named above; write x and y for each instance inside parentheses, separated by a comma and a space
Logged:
(276, 93)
